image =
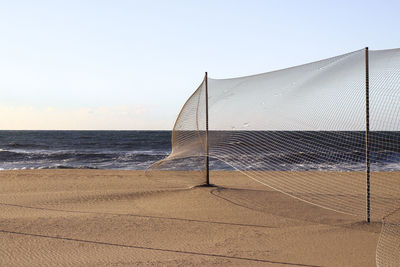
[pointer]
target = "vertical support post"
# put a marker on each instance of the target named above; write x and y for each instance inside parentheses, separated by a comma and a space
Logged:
(207, 145)
(367, 156)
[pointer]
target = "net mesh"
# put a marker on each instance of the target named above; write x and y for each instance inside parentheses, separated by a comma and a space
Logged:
(188, 143)
(388, 249)
(301, 131)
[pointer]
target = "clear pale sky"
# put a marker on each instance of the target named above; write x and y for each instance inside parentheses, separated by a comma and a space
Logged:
(121, 65)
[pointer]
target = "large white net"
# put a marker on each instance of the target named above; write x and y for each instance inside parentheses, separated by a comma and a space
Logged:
(301, 131)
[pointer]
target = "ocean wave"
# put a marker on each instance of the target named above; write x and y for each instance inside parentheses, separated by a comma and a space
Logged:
(61, 154)
(384, 161)
(22, 145)
(67, 167)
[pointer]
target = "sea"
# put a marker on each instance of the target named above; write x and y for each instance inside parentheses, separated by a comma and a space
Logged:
(137, 150)
(130, 150)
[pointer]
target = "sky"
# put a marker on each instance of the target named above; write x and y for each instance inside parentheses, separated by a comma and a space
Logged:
(131, 65)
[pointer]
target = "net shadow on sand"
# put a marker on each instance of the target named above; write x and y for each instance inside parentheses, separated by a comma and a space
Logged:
(275, 203)
(150, 248)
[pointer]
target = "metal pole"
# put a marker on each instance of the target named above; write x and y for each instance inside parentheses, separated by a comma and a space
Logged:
(367, 158)
(207, 145)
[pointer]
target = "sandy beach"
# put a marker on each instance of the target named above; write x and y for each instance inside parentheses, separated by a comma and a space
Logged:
(125, 218)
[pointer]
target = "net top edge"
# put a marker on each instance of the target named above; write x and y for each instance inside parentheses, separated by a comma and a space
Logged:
(305, 64)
